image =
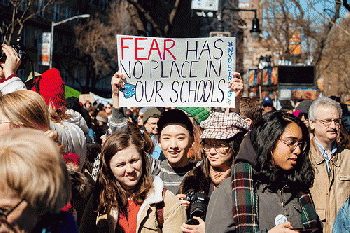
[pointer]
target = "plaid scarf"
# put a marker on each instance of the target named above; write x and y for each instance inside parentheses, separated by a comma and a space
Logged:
(245, 212)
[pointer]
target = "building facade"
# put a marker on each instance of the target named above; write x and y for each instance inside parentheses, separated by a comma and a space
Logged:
(73, 65)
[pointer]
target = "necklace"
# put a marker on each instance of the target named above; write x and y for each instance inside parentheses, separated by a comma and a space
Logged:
(280, 195)
(281, 218)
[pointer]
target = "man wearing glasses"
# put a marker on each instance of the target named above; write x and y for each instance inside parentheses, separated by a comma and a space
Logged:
(331, 162)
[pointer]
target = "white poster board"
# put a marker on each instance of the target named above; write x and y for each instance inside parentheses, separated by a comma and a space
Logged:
(167, 72)
(207, 5)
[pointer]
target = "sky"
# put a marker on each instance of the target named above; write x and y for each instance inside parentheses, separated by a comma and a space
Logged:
(318, 11)
(326, 7)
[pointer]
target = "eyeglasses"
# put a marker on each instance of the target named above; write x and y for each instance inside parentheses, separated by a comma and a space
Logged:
(219, 148)
(5, 213)
(292, 144)
(328, 122)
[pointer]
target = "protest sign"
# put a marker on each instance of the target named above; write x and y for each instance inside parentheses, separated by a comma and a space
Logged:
(166, 72)
(83, 98)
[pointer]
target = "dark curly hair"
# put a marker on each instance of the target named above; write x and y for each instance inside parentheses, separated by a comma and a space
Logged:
(264, 139)
(112, 194)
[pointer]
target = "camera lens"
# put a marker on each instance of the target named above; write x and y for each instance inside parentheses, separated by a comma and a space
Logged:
(198, 203)
(192, 221)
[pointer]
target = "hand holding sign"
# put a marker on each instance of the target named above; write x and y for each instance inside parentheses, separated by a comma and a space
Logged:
(117, 82)
(128, 90)
(236, 84)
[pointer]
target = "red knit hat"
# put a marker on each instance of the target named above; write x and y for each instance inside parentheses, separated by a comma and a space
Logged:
(72, 159)
(52, 88)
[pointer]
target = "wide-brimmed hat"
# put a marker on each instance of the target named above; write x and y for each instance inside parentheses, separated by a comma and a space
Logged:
(223, 126)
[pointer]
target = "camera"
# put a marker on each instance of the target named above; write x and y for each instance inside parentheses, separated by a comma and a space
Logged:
(198, 205)
(19, 50)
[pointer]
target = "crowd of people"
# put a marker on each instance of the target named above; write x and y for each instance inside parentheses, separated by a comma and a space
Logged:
(84, 167)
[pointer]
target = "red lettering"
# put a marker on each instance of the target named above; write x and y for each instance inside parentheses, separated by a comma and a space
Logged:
(168, 49)
(154, 42)
(139, 48)
(122, 44)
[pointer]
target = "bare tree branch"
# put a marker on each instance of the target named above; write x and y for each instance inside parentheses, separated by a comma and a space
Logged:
(335, 62)
(156, 27)
(172, 16)
(329, 19)
(30, 8)
(346, 5)
(323, 38)
(136, 19)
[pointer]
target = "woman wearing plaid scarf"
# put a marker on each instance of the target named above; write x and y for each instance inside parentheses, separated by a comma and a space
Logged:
(222, 135)
(269, 187)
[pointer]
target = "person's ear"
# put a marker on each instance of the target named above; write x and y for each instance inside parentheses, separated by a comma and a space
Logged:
(312, 125)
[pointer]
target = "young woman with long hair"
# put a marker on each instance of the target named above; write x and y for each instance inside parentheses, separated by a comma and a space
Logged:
(270, 181)
(126, 197)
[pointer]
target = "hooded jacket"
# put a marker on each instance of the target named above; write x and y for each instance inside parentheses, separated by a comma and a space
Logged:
(77, 119)
(173, 213)
(72, 139)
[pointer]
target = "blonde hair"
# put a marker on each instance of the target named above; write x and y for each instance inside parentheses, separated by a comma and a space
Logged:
(25, 108)
(32, 167)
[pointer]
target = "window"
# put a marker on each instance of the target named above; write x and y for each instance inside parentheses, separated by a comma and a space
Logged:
(5, 2)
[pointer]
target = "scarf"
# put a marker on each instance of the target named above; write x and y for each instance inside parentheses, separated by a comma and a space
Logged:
(245, 213)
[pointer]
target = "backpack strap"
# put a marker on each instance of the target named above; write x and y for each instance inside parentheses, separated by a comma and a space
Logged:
(160, 211)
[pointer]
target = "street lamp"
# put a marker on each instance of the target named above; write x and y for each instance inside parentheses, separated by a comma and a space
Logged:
(53, 24)
(255, 22)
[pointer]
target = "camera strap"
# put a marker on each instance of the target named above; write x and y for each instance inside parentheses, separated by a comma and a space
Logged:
(36, 82)
(33, 82)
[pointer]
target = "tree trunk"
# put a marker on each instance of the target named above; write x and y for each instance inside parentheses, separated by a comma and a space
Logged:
(322, 42)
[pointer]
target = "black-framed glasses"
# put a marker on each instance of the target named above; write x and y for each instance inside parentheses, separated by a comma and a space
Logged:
(328, 122)
(5, 213)
(292, 144)
(219, 147)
